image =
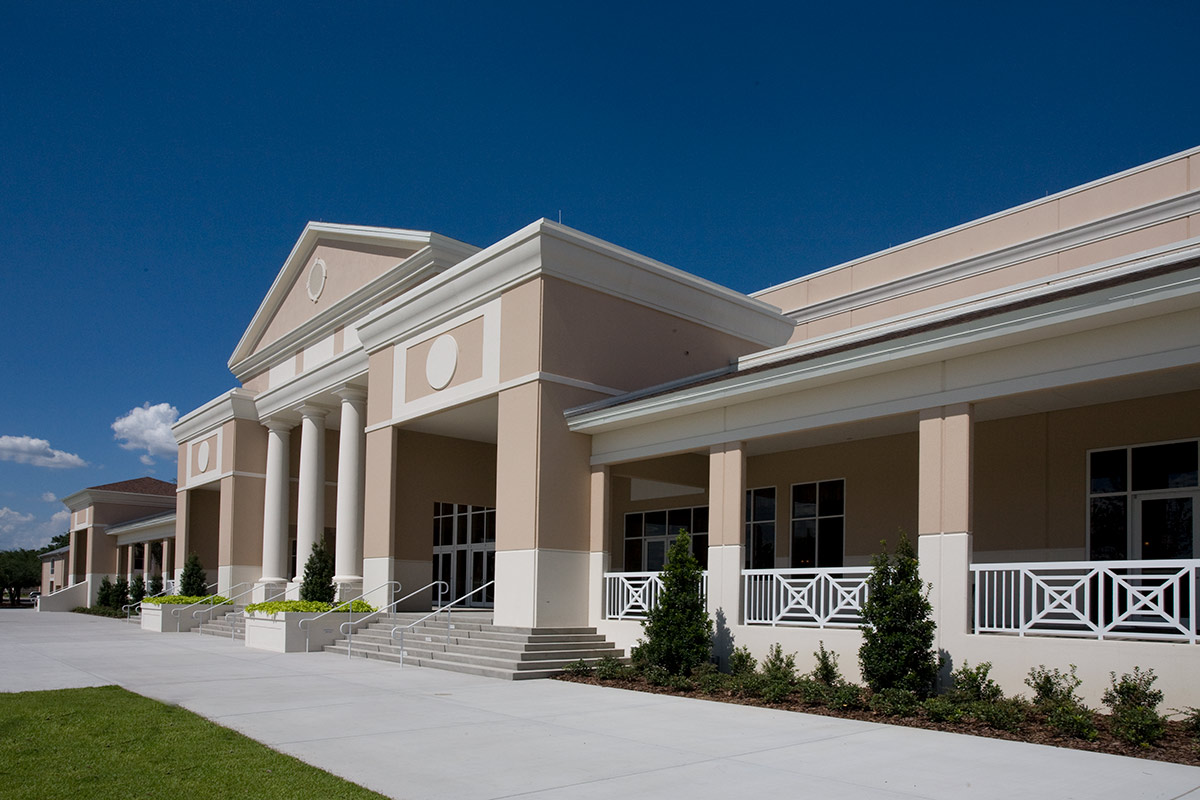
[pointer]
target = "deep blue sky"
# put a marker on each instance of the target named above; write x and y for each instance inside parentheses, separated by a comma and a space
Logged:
(158, 160)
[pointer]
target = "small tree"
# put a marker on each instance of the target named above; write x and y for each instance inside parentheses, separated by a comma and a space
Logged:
(193, 583)
(898, 626)
(137, 589)
(678, 630)
(120, 593)
(317, 584)
(155, 586)
(104, 595)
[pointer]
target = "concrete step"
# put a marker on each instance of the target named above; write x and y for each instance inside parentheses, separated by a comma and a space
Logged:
(477, 647)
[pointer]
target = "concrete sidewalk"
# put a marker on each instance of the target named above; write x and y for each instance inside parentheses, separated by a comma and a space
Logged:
(420, 733)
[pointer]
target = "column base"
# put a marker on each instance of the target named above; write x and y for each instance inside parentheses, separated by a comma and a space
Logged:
(348, 587)
(267, 588)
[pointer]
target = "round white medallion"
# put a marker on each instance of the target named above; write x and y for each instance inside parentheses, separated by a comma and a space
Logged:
(441, 361)
(316, 279)
(202, 456)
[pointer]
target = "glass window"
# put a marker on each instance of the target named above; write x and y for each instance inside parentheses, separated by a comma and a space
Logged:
(818, 524)
(1108, 471)
(760, 528)
(1164, 466)
(649, 534)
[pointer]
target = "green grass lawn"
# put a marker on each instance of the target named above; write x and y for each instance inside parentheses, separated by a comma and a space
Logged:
(107, 742)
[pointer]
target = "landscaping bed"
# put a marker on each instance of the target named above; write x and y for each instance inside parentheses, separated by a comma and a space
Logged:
(1179, 744)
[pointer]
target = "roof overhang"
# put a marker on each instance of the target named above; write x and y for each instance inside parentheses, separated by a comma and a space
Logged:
(1126, 289)
(234, 404)
(622, 273)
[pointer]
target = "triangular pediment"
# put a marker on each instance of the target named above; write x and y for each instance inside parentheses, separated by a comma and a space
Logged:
(333, 274)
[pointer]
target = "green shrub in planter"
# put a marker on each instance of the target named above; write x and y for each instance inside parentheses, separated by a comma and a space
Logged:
(185, 600)
(711, 680)
(610, 668)
(1004, 714)
(1134, 704)
(1052, 687)
(580, 669)
(848, 697)
(898, 626)
(307, 606)
(942, 709)
(895, 702)
(972, 684)
(741, 662)
(813, 691)
(826, 671)
(1191, 720)
(1074, 719)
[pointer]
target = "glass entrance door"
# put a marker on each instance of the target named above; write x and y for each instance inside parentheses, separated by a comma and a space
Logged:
(1165, 525)
(464, 551)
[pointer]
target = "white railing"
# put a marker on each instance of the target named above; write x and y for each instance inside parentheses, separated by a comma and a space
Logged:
(829, 597)
(1093, 599)
(630, 595)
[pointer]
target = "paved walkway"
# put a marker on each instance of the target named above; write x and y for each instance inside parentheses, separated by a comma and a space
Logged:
(420, 733)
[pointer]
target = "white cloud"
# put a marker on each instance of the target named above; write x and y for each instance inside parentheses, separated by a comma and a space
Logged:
(19, 530)
(38, 452)
(148, 428)
(49, 497)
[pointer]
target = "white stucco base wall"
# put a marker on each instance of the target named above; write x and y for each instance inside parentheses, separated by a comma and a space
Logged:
(161, 617)
(376, 572)
(598, 563)
(281, 633)
(542, 588)
(64, 599)
(414, 576)
(229, 577)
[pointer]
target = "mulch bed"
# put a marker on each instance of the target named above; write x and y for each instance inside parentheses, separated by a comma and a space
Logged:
(1177, 746)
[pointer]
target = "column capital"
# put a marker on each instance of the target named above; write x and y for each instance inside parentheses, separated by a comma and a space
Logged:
(351, 394)
(313, 411)
(279, 424)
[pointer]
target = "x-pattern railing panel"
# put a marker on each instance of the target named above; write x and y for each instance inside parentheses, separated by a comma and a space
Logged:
(631, 595)
(1095, 599)
(816, 598)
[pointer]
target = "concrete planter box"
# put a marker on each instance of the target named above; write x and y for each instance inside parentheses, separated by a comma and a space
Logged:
(158, 618)
(281, 632)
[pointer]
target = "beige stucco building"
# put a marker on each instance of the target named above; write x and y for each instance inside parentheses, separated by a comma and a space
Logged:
(1021, 393)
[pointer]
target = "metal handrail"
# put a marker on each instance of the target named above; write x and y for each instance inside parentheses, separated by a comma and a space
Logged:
(211, 607)
(177, 613)
(347, 628)
(308, 628)
(242, 613)
(447, 608)
(128, 614)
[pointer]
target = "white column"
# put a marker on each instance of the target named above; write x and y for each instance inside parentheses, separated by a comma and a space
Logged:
(128, 554)
(146, 561)
(168, 562)
(275, 503)
(310, 514)
(351, 479)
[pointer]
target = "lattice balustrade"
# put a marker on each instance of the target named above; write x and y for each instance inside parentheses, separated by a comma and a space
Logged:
(812, 598)
(1153, 600)
(630, 595)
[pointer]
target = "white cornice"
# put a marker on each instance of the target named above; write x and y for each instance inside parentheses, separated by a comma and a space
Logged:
(234, 404)
(333, 374)
(984, 220)
(145, 529)
(882, 348)
(627, 275)
(1179, 207)
(435, 253)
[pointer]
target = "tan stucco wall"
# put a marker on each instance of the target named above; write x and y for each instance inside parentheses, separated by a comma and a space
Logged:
(437, 469)
(242, 500)
(203, 521)
(543, 470)
(595, 337)
(520, 330)
(379, 509)
(1031, 471)
(379, 385)
(469, 337)
(1141, 188)
(881, 489)
(348, 267)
